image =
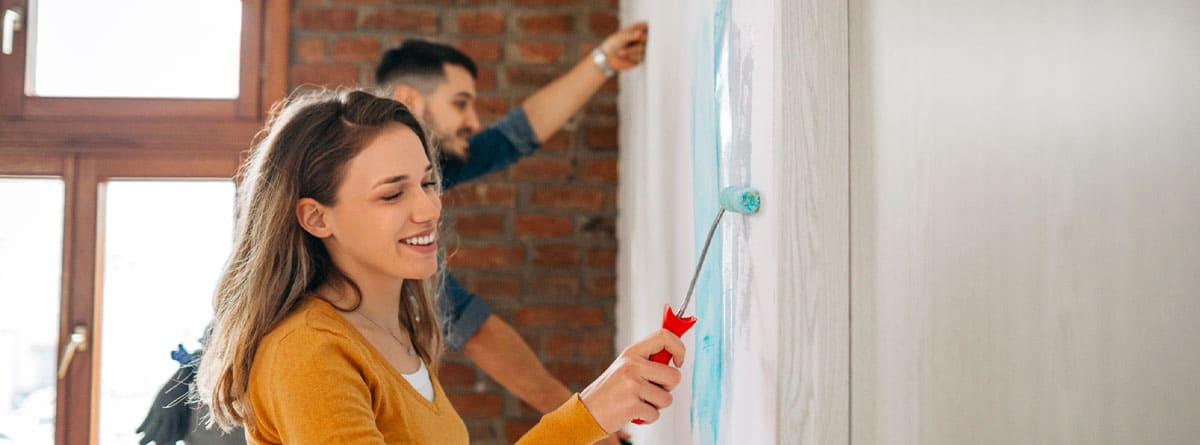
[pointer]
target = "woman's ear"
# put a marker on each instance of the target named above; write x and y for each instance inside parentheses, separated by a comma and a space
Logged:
(311, 215)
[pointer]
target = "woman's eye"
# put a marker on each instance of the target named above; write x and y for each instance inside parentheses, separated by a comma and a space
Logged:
(429, 184)
(392, 197)
(460, 105)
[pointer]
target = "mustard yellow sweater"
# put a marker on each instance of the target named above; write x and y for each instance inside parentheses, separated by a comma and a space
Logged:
(316, 380)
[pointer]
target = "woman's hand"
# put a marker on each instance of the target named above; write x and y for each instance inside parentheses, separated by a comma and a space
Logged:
(634, 387)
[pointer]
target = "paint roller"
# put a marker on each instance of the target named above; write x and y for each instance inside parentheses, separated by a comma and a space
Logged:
(744, 200)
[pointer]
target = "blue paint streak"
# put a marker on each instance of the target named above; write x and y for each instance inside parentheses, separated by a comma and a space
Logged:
(711, 345)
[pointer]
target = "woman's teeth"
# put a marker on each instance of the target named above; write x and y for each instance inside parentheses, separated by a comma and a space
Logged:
(420, 240)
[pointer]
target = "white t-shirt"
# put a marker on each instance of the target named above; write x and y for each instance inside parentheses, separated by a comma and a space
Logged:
(421, 381)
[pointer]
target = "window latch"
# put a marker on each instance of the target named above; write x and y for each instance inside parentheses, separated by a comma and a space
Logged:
(12, 25)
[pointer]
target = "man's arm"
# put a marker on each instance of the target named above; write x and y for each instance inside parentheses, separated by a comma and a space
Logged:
(550, 107)
(502, 354)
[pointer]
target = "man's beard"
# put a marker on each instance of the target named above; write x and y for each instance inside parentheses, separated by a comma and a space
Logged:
(440, 141)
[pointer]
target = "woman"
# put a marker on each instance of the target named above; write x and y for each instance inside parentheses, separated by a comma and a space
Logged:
(325, 328)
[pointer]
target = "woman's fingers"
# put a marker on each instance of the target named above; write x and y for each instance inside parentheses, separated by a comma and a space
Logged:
(663, 339)
(655, 395)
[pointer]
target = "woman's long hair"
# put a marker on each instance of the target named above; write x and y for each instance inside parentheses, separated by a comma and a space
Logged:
(275, 263)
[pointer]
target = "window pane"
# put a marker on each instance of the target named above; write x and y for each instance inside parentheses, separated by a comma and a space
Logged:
(135, 48)
(30, 291)
(165, 243)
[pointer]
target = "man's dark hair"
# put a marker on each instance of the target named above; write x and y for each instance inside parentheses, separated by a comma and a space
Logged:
(419, 59)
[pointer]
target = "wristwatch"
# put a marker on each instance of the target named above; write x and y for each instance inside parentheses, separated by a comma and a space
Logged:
(601, 62)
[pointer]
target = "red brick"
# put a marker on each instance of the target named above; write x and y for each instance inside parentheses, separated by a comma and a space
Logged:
(535, 52)
(599, 170)
(326, 19)
(531, 76)
(310, 50)
(342, 74)
(611, 86)
(569, 198)
(569, 317)
(480, 22)
(541, 169)
(359, 2)
(602, 286)
(544, 2)
(505, 287)
(543, 226)
(491, 106)
(476, 194)
(480, 50)
(603, 24)
(357, 49)
(560, 345)
(559, 142)
(456, 375)
(602, 257)
(514, 429)
(486, 81)
(479, 226)
(556, 255)
(402, 21)
(591, 345)
(472, 404)
(596, 345)
(603, 108)
(486, 257)
(571, 374)
(531, 338)
(546, 23)
(554, 286)
(602, 137)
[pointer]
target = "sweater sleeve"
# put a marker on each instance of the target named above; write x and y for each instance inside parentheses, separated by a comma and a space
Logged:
(571, 423)
(309, 389)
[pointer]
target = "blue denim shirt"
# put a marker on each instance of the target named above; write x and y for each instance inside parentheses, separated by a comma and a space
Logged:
(490, 150)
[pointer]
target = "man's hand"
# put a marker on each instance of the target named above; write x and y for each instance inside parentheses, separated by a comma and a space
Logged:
(626, 48)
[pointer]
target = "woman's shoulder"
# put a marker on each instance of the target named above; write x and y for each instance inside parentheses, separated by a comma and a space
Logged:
(312, 327)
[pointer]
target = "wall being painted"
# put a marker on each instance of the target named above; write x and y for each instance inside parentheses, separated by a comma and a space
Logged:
(699, 117)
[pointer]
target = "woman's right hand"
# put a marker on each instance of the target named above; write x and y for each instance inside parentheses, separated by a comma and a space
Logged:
(633, 387)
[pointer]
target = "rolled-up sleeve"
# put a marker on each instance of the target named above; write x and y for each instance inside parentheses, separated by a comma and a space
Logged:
(464, 313)
(491, 150)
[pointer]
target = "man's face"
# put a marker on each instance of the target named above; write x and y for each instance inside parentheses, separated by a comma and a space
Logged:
(450, 111)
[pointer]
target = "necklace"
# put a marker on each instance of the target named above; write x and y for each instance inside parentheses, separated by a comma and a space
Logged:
(411, 351)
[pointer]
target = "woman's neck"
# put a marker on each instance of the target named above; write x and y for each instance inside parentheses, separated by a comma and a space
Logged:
(380, 303)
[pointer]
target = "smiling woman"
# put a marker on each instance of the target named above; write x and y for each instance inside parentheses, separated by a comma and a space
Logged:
(325, 328)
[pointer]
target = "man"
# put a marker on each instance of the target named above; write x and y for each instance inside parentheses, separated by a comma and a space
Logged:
(437, 83)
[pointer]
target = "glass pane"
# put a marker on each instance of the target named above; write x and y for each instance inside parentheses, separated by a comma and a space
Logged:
(30, 291)
(135, 48)
(165, 243)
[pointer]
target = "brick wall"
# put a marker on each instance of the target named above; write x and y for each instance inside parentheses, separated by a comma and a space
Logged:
(537, 241)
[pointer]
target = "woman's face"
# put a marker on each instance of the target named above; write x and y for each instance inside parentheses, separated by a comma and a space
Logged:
(387, 210)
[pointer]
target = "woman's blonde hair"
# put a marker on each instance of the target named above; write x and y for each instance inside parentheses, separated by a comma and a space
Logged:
(275, 263)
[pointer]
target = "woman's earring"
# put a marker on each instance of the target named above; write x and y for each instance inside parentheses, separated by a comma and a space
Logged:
(416, 310)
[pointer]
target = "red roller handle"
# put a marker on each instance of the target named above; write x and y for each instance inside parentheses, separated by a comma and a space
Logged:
(675, 325)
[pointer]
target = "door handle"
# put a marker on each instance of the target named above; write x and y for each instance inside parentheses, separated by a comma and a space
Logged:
(78, 343)
(12, 25)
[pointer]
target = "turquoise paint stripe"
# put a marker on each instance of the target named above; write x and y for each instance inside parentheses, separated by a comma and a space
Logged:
(711, 349)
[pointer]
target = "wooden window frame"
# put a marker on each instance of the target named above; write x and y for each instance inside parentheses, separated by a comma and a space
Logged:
(124, 124)
(84, 178)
